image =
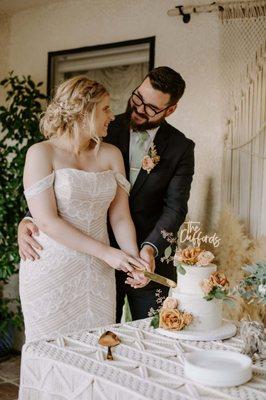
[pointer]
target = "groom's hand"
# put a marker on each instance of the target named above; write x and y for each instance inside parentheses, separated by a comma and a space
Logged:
(137, 281)
(27, 245)
(147, 253)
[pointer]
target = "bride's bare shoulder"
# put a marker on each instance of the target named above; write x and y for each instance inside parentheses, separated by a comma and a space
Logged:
(41, 148)
(40, 153)
(38, 163)
(112, 156)
(110, 150)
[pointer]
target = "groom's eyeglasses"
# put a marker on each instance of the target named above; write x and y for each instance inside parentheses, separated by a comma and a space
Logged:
(148, 109)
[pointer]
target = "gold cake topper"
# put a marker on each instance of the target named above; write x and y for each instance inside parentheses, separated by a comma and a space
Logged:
(192, 233)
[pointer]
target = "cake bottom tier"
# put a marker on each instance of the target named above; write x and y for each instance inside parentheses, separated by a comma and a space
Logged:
(207, 315)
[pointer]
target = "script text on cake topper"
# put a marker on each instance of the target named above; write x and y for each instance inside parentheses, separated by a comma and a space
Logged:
(192, 233)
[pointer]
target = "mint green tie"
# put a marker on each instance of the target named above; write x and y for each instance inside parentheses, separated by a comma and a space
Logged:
(138, 152)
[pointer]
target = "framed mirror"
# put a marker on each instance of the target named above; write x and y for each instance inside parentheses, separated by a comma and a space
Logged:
(119, 66)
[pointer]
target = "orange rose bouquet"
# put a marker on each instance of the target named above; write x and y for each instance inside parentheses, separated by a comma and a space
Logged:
(170, 317)
(189, 256)
(216, 286)
(174, 319)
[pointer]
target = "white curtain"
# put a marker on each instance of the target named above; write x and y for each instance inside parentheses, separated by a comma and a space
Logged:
(120, 81)
(243, 61)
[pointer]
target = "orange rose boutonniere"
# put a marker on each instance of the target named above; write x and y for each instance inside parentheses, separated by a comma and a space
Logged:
(151, 160)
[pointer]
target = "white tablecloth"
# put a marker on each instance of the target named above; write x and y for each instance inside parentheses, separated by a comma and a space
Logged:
(146, 366)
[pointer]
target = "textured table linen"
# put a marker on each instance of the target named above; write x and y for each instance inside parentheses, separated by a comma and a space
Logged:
(146, 366)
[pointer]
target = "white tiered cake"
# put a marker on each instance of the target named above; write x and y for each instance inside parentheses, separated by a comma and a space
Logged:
(207, 315)
(194, 310)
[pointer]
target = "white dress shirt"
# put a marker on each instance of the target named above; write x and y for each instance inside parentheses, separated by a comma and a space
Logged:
(132, 141)
(134, 138)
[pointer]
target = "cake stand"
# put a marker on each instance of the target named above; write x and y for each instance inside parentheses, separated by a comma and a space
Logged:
(226, 330)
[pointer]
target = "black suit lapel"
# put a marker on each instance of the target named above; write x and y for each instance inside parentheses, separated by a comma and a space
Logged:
(160, 142)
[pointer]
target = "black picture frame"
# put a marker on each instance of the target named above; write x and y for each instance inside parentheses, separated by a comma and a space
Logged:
(149, 40)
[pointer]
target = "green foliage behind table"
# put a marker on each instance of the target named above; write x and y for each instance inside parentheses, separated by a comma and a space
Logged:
(19, 129)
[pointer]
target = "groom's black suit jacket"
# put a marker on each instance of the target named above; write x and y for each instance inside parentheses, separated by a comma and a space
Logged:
(158, 200)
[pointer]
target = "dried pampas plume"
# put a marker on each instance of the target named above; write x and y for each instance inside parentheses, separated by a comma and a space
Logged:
(259, 252)
(235, 247)
(235, 250)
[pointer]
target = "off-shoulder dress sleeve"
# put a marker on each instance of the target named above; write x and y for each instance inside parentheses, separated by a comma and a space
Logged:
(122, 182)
(39, 186)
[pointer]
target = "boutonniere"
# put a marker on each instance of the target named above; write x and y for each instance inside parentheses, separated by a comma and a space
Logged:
(151, 160)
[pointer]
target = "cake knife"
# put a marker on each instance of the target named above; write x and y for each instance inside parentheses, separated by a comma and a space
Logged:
(157, 278)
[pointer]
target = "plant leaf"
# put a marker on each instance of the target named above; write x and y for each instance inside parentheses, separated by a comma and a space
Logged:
(155, 321)
(209, 297)
(219, 294)
(231, 303)
(181, 270)
(168, 252)
(19, 123)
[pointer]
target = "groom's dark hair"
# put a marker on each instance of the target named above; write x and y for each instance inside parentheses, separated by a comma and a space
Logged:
(168, 81)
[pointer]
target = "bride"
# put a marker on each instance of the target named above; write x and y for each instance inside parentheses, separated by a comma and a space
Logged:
(71, 181)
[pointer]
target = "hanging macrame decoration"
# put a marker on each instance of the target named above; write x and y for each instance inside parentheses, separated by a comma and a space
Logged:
(243, 62)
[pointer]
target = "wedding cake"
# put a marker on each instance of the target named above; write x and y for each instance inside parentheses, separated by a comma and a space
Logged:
(196, 302)
(206, 315)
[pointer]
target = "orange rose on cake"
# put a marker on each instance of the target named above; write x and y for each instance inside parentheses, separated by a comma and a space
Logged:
(188, 318)
(219, 279)
(216, 285)
(173, 319)
(187, 256)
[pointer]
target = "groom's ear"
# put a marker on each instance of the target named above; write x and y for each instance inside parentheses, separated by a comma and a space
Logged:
(170, 110)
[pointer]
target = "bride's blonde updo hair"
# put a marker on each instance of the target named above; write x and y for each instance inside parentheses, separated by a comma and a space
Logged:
(73, 106)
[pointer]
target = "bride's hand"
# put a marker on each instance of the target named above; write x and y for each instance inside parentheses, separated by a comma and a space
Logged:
(122, 261)
(137, 279)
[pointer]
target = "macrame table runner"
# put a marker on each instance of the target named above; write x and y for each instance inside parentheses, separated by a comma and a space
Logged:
(146, 366)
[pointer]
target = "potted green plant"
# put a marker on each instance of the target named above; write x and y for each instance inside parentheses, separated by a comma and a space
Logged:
(19, 129)
(10, 312)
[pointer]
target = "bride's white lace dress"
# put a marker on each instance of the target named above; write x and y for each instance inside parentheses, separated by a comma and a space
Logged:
(66, 291)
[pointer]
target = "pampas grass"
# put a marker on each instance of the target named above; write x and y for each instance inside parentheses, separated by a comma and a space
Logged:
(237, 249)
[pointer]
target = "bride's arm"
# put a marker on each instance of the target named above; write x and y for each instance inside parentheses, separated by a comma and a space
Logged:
(119, 213)
(44, 211)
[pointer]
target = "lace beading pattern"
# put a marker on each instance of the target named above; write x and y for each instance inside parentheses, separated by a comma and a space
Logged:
(65, 291)
(39, 186)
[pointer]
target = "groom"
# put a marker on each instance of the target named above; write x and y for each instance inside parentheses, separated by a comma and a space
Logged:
(160, 182)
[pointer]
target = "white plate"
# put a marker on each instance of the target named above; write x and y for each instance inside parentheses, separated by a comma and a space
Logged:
(227, 330)
(218, 368)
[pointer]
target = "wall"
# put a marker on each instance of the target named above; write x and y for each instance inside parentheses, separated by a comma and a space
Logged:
(192, 49)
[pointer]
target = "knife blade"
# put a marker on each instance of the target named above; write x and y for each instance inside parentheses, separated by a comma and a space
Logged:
(159, 279)
(156, 277)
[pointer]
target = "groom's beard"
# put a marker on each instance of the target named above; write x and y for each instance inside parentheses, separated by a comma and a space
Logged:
(144, 126)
